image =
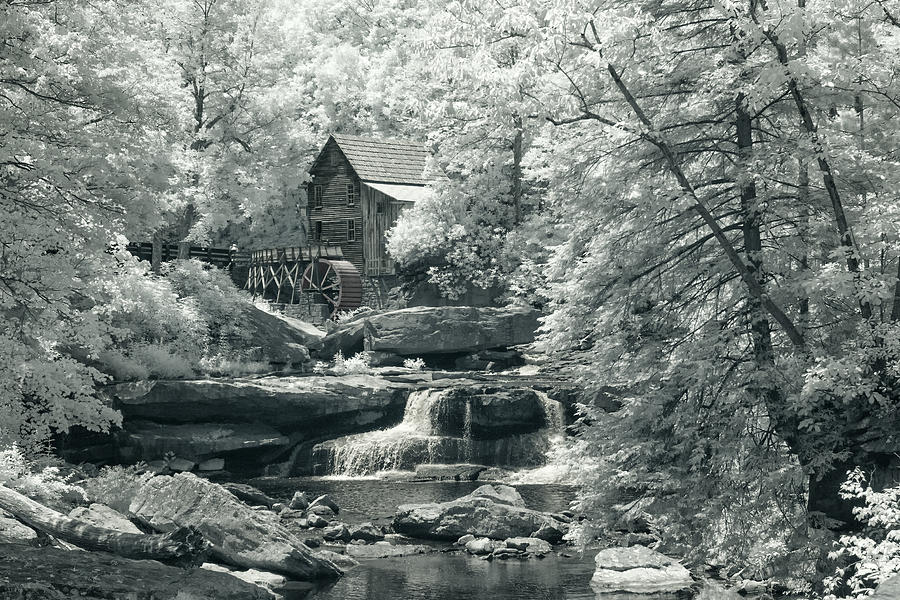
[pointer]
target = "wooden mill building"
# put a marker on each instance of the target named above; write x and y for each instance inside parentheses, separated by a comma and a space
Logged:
(359, 186)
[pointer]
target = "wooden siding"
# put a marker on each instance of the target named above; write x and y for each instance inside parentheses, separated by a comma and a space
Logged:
(335, 212)
(375, 224)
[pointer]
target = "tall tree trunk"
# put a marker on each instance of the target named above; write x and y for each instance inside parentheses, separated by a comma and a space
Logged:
(803, 184)
(760, 328)
(187, 221)
(517, 168)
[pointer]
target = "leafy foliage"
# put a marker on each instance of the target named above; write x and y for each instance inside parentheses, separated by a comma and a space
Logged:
(870, 556)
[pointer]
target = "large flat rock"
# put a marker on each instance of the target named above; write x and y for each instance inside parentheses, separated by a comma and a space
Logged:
(427, 330)
(239, 535)
(486, 512)
(198, 441)
(54, 574)
(638, 570)
(315, 403)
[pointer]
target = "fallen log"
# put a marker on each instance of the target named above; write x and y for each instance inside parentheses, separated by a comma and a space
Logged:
(183, 545)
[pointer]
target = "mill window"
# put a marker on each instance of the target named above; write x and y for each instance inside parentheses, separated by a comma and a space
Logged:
(317, 196)
(351, 194)
(318, 231)
(351, 230)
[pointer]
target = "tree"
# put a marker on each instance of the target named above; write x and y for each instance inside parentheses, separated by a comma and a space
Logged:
(76, 169)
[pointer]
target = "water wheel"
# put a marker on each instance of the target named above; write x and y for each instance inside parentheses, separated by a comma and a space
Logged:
(336, 281)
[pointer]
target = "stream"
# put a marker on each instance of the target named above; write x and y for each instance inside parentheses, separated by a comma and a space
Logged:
(440, 576)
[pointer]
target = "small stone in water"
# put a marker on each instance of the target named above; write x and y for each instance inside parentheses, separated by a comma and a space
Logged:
(325, 500)
(316, 521)
(299, 501)
(366, 532)
(321, 510)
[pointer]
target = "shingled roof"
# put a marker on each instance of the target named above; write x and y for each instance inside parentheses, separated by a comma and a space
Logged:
(386, 161)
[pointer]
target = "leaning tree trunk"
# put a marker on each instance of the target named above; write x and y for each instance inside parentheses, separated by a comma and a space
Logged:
(184, 544)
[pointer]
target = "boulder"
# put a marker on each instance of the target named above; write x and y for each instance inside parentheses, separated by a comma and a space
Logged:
(449, 329)
(14, 532)
(299, 501)
(316, 521)
(638, 570)
(325, 500)
(320, 510)
(101, 515)
(249, 494)
(550, 533)
(336, 531)
(385, 550)
(27, 572)
(889, 589)
(275, 339)
(502, 494)
(366, 532)
(465, 539)
(317, 406)
(238, 535)
(505, 552)
(482, 546)
(346, 338)
(477, 513)
(530, 545)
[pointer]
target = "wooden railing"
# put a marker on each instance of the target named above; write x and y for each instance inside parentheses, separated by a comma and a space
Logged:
(220, 257)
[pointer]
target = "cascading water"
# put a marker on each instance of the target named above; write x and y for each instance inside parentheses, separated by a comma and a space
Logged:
(450, 426)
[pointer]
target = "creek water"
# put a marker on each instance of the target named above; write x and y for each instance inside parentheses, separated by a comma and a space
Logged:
(563, 575)
(440, 576)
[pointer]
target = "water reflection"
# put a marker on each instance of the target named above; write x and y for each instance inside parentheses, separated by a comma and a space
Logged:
(460, 576)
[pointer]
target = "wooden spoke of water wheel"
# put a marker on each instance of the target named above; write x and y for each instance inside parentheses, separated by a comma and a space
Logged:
(337, 281)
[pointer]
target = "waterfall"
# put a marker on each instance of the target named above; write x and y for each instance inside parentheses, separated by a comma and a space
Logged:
(437, 427)
(554, 413)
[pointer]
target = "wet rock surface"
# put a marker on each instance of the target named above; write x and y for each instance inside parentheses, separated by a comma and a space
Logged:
(239, 535)
(486, 512)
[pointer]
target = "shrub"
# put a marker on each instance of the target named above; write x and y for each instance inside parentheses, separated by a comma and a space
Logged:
(116, 486)
(44, 484)
(870, 556)
(358, 363)
(416, 364)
